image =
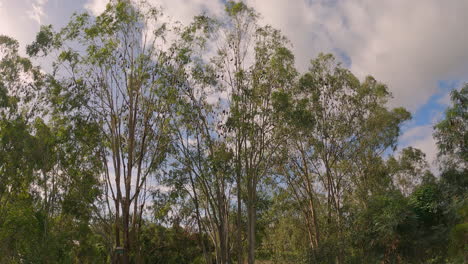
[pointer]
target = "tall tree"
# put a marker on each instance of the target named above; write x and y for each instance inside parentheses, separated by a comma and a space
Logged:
(48, 175)
(452, 137)
(338, 126)
(254, 63)
(117, 63)
(203, 168)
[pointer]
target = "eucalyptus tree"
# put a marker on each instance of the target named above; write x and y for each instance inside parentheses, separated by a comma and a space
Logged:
(19, 81)
(230, 136)
(21, 170)
(451, 137)
(203, 166)
(338, 126)
(232, 63)
(254, 63)
(16, 144)
(42, 168)
(119, 67)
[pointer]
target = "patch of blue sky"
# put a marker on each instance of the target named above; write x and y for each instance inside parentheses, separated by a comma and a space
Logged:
(420, 127)
(432, 111)
(342, 57)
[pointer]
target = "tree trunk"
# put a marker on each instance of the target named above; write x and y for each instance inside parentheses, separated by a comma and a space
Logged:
(199, 224)
(239, 207)
(251, 219)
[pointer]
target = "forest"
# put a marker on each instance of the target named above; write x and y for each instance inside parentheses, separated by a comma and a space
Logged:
(128, 138)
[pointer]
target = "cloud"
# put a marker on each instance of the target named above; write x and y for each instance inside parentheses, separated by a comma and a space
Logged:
(96, 7)
(37, 11)
(444, 100)
(16, 23)
(416, 133)
(409, 45)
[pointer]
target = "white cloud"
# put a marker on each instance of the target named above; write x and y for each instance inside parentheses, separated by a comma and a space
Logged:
(37, 11)
(96, 7)
(409, 45)
(444, 100)
(14, 22)
(429, 147)
(416, 133)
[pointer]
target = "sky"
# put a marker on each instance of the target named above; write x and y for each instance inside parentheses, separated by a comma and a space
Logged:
(419, 48)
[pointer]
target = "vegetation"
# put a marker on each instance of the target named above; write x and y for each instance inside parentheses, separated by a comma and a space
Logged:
(148, 142)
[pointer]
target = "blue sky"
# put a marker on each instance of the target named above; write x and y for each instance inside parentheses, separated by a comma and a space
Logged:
(418, 48)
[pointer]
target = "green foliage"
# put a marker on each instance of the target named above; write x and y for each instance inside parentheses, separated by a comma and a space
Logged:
(43, 43)
(451, 133)
(169, 245)
(233, 8)
(459, 237)
(382, 228)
